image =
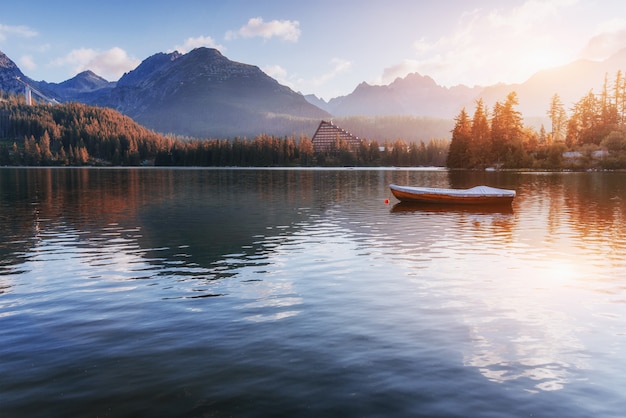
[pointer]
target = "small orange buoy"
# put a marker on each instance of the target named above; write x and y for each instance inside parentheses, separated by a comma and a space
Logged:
(386, 201)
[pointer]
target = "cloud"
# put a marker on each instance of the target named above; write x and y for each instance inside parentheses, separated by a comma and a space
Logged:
(610, 38)
(275, 71)
(20, 31)
(399, 70)
(490, 46)
(531, 15)
(27, 62)
(200, 41)
(287, 30)
(338, 66)
(110, 64)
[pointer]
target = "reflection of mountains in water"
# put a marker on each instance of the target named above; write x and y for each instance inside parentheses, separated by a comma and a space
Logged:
(203, 213)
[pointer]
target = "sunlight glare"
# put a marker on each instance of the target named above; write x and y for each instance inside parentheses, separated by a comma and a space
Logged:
(539, 60)
(561, 272)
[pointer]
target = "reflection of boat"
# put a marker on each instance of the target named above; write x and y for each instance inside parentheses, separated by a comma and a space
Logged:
(447, 207)
(479, 195)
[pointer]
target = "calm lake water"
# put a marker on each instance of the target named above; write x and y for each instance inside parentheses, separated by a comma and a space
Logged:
(300, 293)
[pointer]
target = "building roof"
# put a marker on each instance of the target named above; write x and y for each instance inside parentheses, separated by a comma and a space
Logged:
(328, 134)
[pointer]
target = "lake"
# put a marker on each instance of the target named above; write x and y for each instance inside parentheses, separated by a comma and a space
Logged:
(302, 293)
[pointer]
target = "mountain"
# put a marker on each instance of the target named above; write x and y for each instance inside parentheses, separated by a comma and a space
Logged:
(199, 94)
(571, 82)
(417, 95)
(414, 95)
(202, 93)
(9, 72)
(83, 87)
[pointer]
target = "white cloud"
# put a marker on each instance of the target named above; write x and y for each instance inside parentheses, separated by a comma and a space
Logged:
(110, 64)
(200, 41)
(610, 37)
(20, 31)
(275, 71)
(27, 62)
(486, 47)
(529, 15)
(337, 66)
(399, 70)
(279, 74)
(288, 30)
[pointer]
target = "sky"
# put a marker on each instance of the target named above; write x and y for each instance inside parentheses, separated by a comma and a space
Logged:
(322, 47)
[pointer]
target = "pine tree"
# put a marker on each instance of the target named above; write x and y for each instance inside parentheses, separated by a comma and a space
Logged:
(507, 131)
(479, 146)
(44, 146)
(558, 118)
(458, 154)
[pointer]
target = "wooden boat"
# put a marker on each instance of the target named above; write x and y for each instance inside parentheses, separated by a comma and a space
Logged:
(479, 195)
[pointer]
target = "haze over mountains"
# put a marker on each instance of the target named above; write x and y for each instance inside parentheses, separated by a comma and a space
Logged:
(419, 95)
(204, 94)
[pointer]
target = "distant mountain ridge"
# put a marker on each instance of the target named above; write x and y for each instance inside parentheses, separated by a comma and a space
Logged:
(200, 94)
(204, 94)
(81, 88)
(418, 95)
(414, 95)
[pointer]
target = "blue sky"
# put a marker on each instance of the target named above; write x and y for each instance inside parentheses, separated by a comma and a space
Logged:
(324, 47)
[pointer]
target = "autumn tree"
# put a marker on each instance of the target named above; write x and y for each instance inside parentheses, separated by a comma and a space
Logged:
(44, 147)
(305, 150)
(481, 131)
(558, 118)
(506, 132)
(619, 93)
(582, 127)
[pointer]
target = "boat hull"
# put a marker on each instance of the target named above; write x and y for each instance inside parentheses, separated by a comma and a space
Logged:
(481, 195)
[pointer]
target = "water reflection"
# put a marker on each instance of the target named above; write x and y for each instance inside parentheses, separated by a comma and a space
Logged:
(526, 280)
(527, 294)
(460, 208)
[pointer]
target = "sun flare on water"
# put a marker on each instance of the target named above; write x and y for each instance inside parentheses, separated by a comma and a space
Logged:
(561, 272)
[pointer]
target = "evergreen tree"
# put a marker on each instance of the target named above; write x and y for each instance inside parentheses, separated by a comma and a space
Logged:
(305, 151)
(619, 89)
(582, 127)
(479, 145)
(44, 146)
(506, 132)
(558, 118)
(458, 154)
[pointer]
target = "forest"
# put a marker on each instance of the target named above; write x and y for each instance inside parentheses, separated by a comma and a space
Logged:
(76, 134)
(593, 137)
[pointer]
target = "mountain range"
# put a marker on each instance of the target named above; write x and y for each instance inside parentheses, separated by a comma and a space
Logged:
(204, 94)
(419, 95)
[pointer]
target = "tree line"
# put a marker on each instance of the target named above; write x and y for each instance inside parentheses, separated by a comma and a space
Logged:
(77, 134)
(594, 133)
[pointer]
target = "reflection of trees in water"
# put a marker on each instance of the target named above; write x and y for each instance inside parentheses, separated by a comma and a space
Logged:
(596, 203)
(590, 206)
(527, 326)
(593, 205)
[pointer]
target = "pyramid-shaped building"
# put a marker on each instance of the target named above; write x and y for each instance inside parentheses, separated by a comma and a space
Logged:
(329, 134)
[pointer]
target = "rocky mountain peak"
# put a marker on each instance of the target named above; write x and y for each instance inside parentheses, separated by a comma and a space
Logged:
(85, 81)
(148, 67)
(8, 73)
